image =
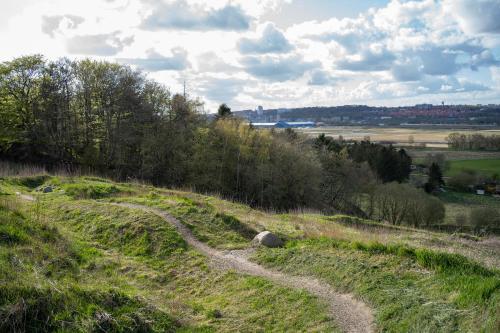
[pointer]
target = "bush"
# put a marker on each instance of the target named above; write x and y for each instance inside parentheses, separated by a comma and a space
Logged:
(484, 217)
(404, 204)
(461, 219)
(463, 181)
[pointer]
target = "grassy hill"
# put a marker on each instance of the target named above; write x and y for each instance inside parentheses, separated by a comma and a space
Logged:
(73, 260)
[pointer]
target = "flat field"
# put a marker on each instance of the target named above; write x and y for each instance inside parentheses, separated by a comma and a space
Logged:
(432, 137)
(419, 154)
(487, 167)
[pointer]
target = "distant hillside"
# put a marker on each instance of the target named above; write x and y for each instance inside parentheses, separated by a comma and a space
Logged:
(362, 114)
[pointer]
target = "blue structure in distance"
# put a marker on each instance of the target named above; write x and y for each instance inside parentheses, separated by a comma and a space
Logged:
(286, 124)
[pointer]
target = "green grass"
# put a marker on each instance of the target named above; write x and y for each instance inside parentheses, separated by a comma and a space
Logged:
(411, 290)
(40, 289)
(461, 204)
(92, 251)
(487, 167)
(124, 270)
(217, 229)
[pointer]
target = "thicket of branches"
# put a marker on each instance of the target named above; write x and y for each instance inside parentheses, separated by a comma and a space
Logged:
(113, 120)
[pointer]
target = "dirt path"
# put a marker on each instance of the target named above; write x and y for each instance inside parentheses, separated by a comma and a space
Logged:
(349, 314)
(26, 197)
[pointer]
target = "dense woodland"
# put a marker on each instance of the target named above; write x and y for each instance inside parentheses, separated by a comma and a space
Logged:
(112, 120)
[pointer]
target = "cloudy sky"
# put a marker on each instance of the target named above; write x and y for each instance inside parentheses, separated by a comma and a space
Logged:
(277, 53)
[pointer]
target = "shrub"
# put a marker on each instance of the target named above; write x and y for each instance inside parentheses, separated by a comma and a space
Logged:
(461, 219)
(484, 217)
(404, 204)
(463, 181)
(32, 181)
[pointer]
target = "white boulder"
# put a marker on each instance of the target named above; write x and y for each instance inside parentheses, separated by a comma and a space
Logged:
(268, 239)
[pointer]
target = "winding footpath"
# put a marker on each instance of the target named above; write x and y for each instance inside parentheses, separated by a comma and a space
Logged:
(349, 314)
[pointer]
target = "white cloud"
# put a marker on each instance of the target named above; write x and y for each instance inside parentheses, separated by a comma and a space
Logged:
(271, 41)
(278, 68)
(100, 44)
(51, 24)
(476, 16)
(185, 16)
(157, 62)
(403, 52)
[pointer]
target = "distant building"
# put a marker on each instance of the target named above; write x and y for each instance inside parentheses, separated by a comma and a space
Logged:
(295, 124)
(286, 124)
(263, 125)
(260, 110)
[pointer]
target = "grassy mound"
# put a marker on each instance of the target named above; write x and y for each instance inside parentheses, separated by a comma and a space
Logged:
(217, 229)
(29, 309)
(40, 269)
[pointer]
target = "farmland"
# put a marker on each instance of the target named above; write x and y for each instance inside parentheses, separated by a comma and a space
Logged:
(431, 137)
(487, 167)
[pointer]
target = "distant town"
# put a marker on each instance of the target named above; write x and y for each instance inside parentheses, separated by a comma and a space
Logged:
(420, 115)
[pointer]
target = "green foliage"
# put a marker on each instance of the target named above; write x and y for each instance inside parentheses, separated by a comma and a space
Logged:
(258, 167)
(388, 163)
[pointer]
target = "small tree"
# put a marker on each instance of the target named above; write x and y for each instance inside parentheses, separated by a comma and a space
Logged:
(223, 111)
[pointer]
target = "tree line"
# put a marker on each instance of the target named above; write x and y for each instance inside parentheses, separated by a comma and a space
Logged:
(111, 119)
(473, 141)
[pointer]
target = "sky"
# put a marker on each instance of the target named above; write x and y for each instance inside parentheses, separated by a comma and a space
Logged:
(277, 53)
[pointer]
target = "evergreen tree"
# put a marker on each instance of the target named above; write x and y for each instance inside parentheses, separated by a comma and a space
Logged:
(223, 111)
(435, 179)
